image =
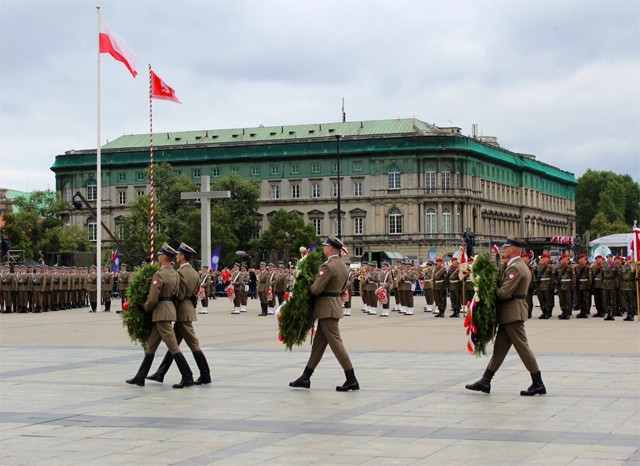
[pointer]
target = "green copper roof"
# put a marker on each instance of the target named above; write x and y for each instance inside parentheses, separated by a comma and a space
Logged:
(263, 134)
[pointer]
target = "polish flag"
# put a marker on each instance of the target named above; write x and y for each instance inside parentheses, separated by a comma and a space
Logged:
(161, 90)
(114, 45)
(635, 244)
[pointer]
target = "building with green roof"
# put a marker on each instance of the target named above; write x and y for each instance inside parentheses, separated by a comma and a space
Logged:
(405, 185)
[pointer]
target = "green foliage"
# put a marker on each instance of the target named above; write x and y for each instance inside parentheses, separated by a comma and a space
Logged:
(485, 278)
(73, 238)
(606, 203)
(296, 314)
(286, 233)
(138, 322)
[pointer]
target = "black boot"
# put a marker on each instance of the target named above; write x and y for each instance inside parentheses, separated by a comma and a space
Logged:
(304, 381)
(609, 316)
(185, 370)
(536, 388)
(484, 384)
(158, 375)
(350, 384)
(203, 366)
(264, 309)
(630, 315)
(455, 313)
(143, 371)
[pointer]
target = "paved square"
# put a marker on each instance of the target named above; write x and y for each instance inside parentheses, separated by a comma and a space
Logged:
(64, 400)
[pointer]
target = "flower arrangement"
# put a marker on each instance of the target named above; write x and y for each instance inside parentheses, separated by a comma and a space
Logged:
(295, 316)
(481, 319)
(134, 318)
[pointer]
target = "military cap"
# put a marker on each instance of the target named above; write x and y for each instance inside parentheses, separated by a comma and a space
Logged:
(281, 265)
(236, 264)
(582, 256)
(243, 265)
(263, 264)
(167, 251)
(123, 265)
(270, 264)
(514, 241)
(545, 256)
(385, 263)
(439, 259)
(564, 256)
(334, 242)
(609, 255)
(186, 250)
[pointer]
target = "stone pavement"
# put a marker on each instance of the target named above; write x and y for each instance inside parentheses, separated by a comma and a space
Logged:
(63, 400)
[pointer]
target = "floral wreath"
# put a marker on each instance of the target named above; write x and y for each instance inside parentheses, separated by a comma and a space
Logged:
(138, 322)
(481, 319)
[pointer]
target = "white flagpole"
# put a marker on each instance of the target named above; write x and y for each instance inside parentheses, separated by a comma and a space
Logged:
(99, 188)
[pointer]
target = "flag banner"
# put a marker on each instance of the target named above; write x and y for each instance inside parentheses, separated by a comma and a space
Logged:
(116, 261)
(215, 257)
(161, 90)
(432, 254)
(634, 248)
(114, 45)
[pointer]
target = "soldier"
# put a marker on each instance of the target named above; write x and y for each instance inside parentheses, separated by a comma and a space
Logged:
(566, 281)
(347, 304)
(468, 282)
(7, 289)
(329, 284)
(583, 285)
(629, 288)
(271, 293)
(512, 312)
(244, 277)
(527, 260)
(427, 286)
(596, 286)
(455, 288)
(406, 287)
(385, 280)
(23, 286)
(236, 280)
(620, 264)
(187, 300)
(281, 284)
(264, 284)
(37, 290)
(164, 288)
(107, 286)
(92, 289)
(440, 285)
(544, 276)
(54, 288)
(205, 284)
(369, 289)
(610, 278)
(123, 276)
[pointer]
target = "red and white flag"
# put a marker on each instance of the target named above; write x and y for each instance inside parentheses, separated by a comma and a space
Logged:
(634, 248)
(496, 249)
(161, 90)
(463, 255)
(114, 45)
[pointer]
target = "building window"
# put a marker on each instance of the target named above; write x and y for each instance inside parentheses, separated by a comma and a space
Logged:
(92, 226)
(315, 168)
(458, 180)
(394, 178)
(431, 223)
(235, 170)
(357, 189)
(122, 177)
(358, 251)
(334, 189)
(92, 191)
(395, 221)
(275, 169)
(295, 169)
(177, 172)
(446, 179)
(334, 167)
(295, 191)
(275, 191)
(430, 180)
(196, 173)
(446, 221)
(119, 230)
(140, 176)
(140, 192)
(315, 190)
(215, 172)
(122, 197)
(255, 171)
(358, 226)
(317, 223)
(335, 227)
(357, 166)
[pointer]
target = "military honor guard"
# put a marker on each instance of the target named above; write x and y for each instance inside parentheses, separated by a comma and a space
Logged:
(385, 280)
(165, 285)
(237, 282)
(123, 276)
(583, 286)
(544, 277)
(610, 278)
(596, 285)
(440, 284)
(205, 284)
(7, 289)
(107, 286)
(406, 282)
(455, 287)
(92, 289)
(427, 286)
(369, 289)
(512, 314)
(264, 284)
(565, 283)
(629, 287)
(346, 311)
(329, 284)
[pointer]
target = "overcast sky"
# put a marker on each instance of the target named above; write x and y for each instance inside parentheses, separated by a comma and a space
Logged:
(559, 79)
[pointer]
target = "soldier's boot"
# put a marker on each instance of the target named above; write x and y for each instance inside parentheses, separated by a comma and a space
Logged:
(185, 371)
(536, 388)
(304, 381)
(350, 384)
(484, 384)
(143, 371)
(107, 306)
(203, 367)
(158, 375)
(599, 314)
(609, 316)
(543, 315)
(455, 313)
(581, 315)
(630, 315)
(264, 309)
(563, 316)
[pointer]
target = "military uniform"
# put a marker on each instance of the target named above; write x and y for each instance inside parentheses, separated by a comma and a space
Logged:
(237, 281)
(596, 286)
(583, 285)
(455, 289)
(440, 285)
(544, 277)
(369, 289)
(565, 283)
(385, 279)
(92, 289)
(427, 287)
(347, 303)
(7, 289)
(123, 276)
(23, 287)
(628, 286)
(610, 278)
(263, 288)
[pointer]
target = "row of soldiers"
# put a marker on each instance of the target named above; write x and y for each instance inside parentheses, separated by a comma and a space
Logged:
(41, 288)
(612, 282)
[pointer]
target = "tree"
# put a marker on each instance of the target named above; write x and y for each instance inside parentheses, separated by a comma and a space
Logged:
(243, 206)
(32, 225)
(286, 233)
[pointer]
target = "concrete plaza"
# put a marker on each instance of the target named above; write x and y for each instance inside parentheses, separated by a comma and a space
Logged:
(63, 400)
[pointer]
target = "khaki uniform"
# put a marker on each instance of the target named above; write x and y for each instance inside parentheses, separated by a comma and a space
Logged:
(440, 284)
(186, 310)
(164, 287)
(544, 277)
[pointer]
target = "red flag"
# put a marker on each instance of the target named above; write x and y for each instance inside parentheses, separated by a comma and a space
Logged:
(635, 243)
(496, 249)
(114, 45)
(161, 90)
(463, 255)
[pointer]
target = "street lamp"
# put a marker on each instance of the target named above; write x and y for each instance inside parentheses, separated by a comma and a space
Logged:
(339, 230)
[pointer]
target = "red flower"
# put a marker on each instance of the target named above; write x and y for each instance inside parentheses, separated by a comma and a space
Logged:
(125, 306)
(281, 338)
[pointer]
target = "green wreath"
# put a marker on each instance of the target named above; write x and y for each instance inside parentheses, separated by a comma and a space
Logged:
(138, 322)
(484, 315)
(296, 314)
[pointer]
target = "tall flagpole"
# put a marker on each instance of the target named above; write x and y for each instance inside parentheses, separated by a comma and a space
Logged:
(153, 191)
(98, 187)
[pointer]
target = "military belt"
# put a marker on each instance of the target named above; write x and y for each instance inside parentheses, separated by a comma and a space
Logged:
(165, 298)
(545, 278)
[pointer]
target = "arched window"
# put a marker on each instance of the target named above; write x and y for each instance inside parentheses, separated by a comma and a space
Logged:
(394, 178)
(446, 221)
(395, 221)
(446, 179)
(431, 226)
(92, 190)
(430, 180)
(92, 226)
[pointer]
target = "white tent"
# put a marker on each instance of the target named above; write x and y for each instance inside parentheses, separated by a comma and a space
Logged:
(618, 243)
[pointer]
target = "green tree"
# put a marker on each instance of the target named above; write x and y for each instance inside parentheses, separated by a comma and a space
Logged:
(286, 233)
(30, 227)
(602, 226)
(243, 206)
